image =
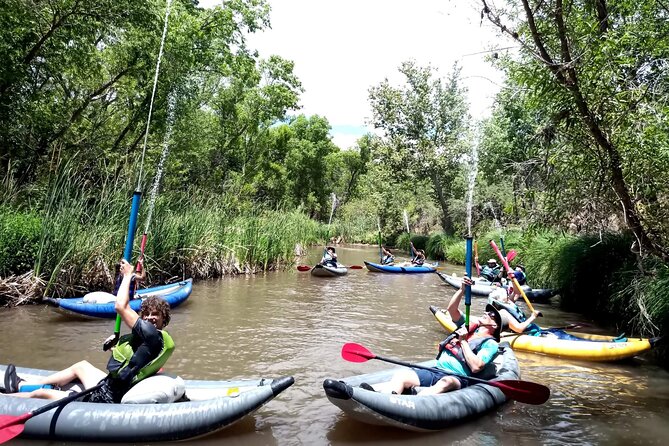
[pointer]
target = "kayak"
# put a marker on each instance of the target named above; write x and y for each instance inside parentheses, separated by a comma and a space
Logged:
(329, 271)
(483, 287)
(208, 406)
(421, 413)
(378, 268)
(566, 344)
(174, 293)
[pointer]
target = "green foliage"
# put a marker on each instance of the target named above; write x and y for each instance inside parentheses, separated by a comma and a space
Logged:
(19, 234)
(424, 123)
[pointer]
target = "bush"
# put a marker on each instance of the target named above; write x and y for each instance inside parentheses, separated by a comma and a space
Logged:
(19, 236)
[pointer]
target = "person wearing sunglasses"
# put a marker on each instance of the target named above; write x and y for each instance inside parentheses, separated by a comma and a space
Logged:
(464, 353)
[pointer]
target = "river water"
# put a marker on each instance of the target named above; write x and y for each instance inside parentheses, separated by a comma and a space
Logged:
(289, 323)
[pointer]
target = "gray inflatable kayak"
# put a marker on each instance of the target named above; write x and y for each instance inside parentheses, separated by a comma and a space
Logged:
(421, 413)
(482, 287)
(211, 406)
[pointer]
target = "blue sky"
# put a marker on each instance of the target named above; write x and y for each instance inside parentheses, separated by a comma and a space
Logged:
(341, 48)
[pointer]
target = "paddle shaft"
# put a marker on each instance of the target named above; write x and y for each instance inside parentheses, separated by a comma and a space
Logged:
(509, 270)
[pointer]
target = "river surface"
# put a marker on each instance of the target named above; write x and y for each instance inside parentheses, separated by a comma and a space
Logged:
(290, 323)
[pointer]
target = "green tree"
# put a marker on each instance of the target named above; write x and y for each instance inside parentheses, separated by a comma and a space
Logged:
(424, 123)
(597, 72)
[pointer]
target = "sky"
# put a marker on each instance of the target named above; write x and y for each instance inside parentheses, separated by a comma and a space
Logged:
(341, 48)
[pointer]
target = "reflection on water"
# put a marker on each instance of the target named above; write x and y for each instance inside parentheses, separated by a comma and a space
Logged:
(289, 323)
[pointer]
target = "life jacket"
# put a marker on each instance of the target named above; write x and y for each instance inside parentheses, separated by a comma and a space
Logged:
(123, 352)
(490, 274)
(387, 260)
(475, 345)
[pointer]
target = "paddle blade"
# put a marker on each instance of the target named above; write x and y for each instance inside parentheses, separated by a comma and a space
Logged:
(523, 391)
(511, 255)
(11, 426)
(303, 268)
(355, 266)
(353, 352)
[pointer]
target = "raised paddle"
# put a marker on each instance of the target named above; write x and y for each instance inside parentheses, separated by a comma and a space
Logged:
(13, 425)
(510, 271)
(524, 391)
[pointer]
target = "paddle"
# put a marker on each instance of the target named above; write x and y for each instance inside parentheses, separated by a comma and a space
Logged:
(511, 255)
(532, 332)
(12, 425)
(524, 391)
(510, 271)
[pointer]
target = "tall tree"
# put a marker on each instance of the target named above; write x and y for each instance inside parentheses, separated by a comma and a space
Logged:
(424, 122)
(598, 69)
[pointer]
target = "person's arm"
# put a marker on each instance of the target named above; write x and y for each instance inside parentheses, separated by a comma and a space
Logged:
(454, 303)
(477, 361)
(122, 306)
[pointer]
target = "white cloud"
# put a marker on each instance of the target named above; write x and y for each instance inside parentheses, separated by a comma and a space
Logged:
(343, 47)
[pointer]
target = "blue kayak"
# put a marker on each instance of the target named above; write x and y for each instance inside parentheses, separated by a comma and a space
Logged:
(174, 293)
(378, 268)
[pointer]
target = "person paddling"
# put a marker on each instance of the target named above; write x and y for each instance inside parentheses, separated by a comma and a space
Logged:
(136, 356)
(329, 257)
(464, 352)
(388, 257)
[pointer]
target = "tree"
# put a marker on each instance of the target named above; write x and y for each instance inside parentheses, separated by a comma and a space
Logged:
(424, 123)
(598, 70)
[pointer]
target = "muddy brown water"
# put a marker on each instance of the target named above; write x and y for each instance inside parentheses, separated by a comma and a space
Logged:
(289, 323)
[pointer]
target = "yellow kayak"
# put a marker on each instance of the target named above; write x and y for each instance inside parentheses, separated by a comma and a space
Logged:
(588, 347)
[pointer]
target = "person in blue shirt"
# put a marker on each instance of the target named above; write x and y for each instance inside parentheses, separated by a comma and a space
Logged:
(465, 353)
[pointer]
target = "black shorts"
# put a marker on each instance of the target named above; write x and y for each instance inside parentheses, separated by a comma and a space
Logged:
(104, 394)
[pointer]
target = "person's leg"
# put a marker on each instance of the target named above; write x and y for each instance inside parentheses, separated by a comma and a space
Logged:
(84, 371)
(402, 379)
(45, 394)
(445, 384)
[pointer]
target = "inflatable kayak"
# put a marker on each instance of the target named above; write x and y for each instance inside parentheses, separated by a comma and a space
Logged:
(329, 271)
(483, 287)
(174, 293)
(207, 407)
(582, 346)
(421, 413)
(378, 268)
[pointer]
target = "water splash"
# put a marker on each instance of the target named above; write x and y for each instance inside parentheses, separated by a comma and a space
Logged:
(494, 216)
(406, 221)
(473, 170)
(153, 92)
(171, 105)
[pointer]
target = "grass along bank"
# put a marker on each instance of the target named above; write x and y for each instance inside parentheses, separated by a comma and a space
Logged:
(66, 242)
